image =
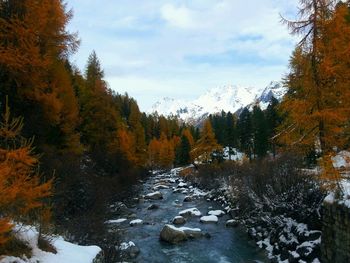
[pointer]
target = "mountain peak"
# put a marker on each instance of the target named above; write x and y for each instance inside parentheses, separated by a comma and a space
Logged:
(225, 98)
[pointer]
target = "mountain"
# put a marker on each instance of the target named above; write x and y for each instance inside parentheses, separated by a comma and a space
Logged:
(227, 98)
(274, 89)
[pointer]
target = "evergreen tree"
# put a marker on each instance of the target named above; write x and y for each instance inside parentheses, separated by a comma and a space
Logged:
(273, 120)
(183, 151)
(260, 132)
(244, 129)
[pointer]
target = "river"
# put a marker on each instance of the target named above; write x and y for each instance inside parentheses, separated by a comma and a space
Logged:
(224, 245)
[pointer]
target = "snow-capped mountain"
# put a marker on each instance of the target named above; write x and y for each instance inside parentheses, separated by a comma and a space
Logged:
(227, 98)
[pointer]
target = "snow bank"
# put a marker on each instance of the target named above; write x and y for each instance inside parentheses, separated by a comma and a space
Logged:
(234, 154)
(66, 251)
(345, 198)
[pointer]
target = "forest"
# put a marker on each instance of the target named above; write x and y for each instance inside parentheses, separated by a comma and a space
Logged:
(69, 144)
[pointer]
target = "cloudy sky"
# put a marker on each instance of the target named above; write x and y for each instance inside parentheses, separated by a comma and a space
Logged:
(157, 48)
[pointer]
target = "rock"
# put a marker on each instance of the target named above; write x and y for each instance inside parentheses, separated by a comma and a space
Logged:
(192, 232)
(179, 220)
(132, 216)
(232, 223)
(135, 222)
(154, 196)
(121, 209)
(190, 212)
(209, 219)
(160, 186)
(172, 234)
(216, 213)
(153, 207)
(188, 199)
(309, 236)
(129, 250)
(182, 185)
(116, 221)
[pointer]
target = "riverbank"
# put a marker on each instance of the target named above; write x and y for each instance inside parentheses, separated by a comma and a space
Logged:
(286, 236)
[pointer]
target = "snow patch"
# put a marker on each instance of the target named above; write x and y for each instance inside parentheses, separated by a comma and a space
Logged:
(66, 251)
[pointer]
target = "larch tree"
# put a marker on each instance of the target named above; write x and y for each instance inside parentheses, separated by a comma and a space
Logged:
(22, 195)
(316, 106)
(315, 103)
(206, 144)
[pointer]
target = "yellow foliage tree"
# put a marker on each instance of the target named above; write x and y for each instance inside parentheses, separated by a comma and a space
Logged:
(206, 144)
(21, 192)
(317, 103)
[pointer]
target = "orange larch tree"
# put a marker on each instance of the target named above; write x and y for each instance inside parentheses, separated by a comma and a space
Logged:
(22, 194)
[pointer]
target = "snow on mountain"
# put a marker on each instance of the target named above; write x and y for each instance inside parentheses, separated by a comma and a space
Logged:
(227, 98)
(274, 89)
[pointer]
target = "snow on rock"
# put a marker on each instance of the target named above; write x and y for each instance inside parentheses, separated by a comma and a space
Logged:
(190, 212)
(66, 251)
(341, 160)
(232, 223)
(179, 220)
(126, 245)
(136, 222)
(182, 185)
(216, 213)
(344, 199)
(116, 221)
(129, 250)
(175, 235)
(154, 196)
(209, 219)
(160, 186)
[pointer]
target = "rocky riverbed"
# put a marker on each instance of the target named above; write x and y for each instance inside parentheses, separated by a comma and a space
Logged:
(173, 221)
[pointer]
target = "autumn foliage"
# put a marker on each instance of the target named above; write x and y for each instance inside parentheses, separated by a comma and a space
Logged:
(317, 103)
(206, 144)
(22, 194)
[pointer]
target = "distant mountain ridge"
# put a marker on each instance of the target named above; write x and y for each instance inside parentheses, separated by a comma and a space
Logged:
(227, 98)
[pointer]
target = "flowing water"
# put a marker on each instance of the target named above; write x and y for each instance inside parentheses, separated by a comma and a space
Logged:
(225, 244)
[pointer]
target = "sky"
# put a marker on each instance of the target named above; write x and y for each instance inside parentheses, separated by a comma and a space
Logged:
(160, 48)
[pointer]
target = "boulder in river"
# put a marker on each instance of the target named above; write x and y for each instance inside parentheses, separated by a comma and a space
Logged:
(216, 213)
(153, 207)
(172, 234)
(209, 219)
(188, 198)
(135, 222)
(154, 196)
(160, 186)
(190, 212)
(232, 223)
(179, 220)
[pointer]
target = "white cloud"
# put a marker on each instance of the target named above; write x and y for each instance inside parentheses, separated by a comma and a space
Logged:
(145, 46)
(178, 16)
